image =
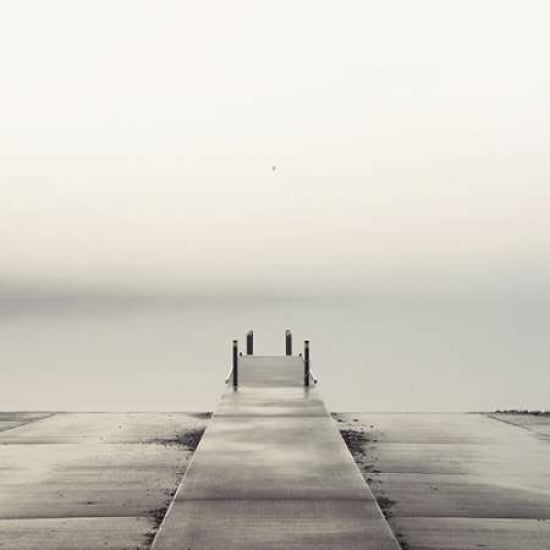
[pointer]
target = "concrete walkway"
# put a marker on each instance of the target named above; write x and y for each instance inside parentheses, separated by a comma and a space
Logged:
(272, 472)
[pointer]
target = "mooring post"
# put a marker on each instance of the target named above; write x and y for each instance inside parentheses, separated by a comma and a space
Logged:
(306, 363)
(235, 364)
(250, 343)
(288, 342)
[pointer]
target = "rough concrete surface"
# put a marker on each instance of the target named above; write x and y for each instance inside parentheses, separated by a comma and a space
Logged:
(272, 473)
(85, 481)
(457, 481)
(89, 480)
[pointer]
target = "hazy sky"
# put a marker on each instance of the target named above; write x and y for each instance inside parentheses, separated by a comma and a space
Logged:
(411, 142)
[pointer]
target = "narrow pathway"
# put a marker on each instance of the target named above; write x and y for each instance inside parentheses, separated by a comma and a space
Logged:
(272, 472)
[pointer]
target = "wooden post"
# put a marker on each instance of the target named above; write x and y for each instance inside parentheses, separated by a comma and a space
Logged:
(306, 364)
(235, 364)
(288, 342)
(250, 343)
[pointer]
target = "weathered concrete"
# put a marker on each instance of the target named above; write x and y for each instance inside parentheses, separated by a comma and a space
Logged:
(465, 481)
(539, 424)
(272, 472)
(91, 533)
(88, 481)
(9, 420)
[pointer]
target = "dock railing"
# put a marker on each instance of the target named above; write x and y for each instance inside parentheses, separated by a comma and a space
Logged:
(233, 374)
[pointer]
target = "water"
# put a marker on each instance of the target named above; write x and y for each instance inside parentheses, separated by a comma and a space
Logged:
(369, 353)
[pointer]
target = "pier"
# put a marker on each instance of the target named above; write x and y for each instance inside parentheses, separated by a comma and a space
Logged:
(272, 471)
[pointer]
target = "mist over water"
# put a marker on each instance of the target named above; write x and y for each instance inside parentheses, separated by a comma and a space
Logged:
(373, 176)
(378, 353)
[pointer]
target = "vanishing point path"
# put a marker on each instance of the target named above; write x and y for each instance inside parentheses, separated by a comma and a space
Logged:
(272, 472)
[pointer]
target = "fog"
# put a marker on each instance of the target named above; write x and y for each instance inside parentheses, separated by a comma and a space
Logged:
(409, 140)
(286, 150)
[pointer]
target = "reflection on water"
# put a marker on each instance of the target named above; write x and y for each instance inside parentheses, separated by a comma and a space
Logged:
(369, 354)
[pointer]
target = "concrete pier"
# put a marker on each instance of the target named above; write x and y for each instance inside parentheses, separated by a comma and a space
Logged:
(272, 472)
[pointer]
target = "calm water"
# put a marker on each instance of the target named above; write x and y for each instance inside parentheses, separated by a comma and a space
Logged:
(370, 354)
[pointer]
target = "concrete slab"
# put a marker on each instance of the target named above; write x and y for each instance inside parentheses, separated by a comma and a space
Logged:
(272, 472)
(279, 401)
(100, 428)
(414, 458)
(120, 470)
(470, 533)
(536, 423)
(273, 458)
(421, 495)
(76, 533)
(271, 372)
(456, 480)
(275, 525)
(10, 420)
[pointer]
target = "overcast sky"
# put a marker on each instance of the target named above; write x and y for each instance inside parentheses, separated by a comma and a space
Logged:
(410, 141)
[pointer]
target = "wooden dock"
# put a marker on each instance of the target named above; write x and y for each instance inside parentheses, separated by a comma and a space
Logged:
(272, 472)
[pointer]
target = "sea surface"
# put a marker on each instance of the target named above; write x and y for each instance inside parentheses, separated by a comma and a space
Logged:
(377, 353)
